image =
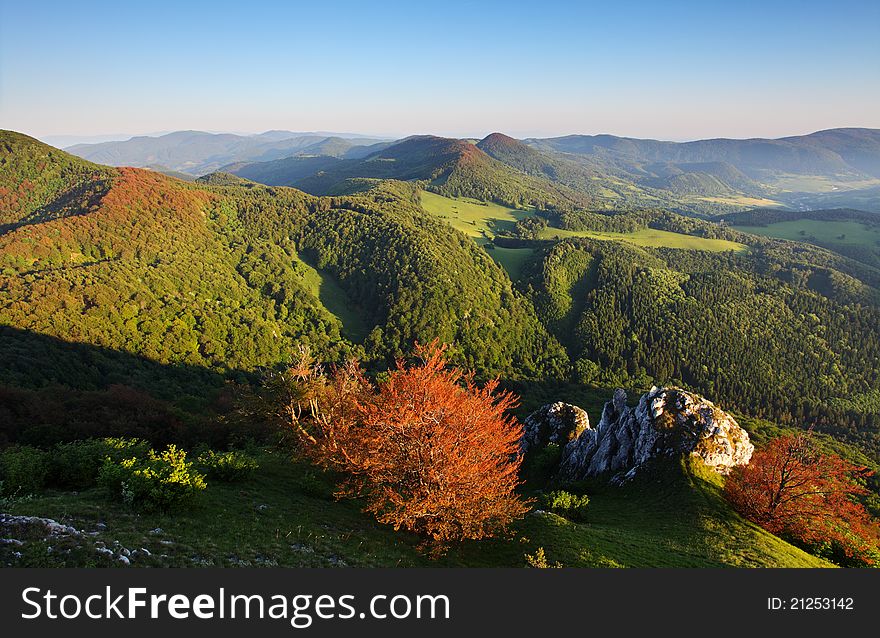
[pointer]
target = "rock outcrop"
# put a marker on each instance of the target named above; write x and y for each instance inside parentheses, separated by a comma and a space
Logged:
(557, 423)
(666, 422)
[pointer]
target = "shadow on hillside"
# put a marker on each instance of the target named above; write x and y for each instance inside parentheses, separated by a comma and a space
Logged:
(53, 390)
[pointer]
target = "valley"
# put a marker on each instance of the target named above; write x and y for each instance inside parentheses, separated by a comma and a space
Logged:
(136, 304)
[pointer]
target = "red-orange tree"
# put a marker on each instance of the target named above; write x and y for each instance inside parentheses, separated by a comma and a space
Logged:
(429, 450)
(792, 489)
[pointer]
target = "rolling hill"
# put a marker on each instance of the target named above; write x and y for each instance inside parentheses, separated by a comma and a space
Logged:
(129, 300)
(197, 152)
(449, 166)
(228, 275)
(837, 167)
(825, 152)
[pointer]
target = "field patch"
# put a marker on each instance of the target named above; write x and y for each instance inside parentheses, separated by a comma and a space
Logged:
(331, 295)
(742, 200)
(482, 221)
(825, 232)
(649, 238)
(473, 218)
(512, 259)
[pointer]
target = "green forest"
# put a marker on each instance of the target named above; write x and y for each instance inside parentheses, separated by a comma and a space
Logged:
(135, 304)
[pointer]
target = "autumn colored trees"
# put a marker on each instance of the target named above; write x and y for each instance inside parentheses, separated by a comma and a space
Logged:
(792, 489)
(428, 449)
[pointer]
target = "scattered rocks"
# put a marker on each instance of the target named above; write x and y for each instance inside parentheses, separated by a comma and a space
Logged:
(11, 541)
(54, 538)
(34, 525)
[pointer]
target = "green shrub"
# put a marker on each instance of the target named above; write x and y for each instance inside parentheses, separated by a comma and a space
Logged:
(227, 466)
(76, 465)
(572, 506)
(119, 449)
(160, 481)
(540, 465)
(23, 469)
(539, 560)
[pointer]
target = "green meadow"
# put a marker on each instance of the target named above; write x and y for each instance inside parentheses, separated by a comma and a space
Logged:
(286, 515)
(483, 220)
(845, 233)
(649, 238)
(474, 218)
(323, 286)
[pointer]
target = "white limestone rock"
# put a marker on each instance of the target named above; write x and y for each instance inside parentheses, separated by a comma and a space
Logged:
(666, 422)
(557, 423)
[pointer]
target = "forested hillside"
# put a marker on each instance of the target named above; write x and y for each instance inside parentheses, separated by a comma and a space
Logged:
(228, 276)
(218, 277)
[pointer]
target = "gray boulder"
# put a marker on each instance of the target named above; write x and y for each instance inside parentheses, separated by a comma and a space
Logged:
(666, 422)
(557, 423)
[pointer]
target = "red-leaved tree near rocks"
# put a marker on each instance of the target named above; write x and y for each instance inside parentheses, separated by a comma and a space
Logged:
(790, 488)
(429, 450)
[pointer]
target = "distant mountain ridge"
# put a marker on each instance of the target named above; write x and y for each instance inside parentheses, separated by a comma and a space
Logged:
(198, 153)
(850, 149)
(831, 168)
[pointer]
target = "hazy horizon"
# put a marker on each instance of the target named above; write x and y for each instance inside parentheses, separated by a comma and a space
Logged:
(66, 141)
(677, 71)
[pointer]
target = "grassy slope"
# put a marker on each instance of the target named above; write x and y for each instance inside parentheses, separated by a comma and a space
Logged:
(325, 287)
(650, 237)
(481, 221)
(825, 231)
(285, 515)
(740, 200)
(473, 218)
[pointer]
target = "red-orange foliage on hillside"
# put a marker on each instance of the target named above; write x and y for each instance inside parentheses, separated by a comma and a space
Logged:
(428, 450)
(792, 489)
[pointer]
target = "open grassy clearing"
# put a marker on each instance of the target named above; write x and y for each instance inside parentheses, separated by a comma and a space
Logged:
(512, 259)
(286, 515)
(844, 233)
(819, 183)
(649, 238)
(742, 200)
(472, 217)
(323, 286)
(482, 221)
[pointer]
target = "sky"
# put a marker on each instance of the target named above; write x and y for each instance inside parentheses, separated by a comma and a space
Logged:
(665, 70)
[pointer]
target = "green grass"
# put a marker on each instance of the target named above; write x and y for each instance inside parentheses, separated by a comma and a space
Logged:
(473, 218)
(512, 259)
(819, 183)
(741, 200)
(482, 221)
(843, 233)
(323, 286)
(286, 515)
(650, 238)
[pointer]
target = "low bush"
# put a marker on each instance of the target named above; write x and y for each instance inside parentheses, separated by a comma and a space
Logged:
(76, 465)
(160, 481)
(539, 466)
(572, 506)
(23, 470)
(227, 466)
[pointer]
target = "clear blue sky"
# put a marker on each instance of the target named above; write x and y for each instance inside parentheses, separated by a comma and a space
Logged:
(669, 70)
